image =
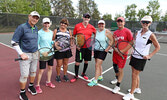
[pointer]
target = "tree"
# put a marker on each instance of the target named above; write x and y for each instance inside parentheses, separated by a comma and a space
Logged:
(94, 12)
(5, 5)
(164, 18)
(82, 8)
(88, 6)
(130, 12)
(42, 6)
(23, 4)
(153, 10)
(63, 8)
(107, 17)
(141, 13)
(118, 15)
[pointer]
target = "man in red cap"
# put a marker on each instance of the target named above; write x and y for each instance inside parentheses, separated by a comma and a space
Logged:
(122, 34)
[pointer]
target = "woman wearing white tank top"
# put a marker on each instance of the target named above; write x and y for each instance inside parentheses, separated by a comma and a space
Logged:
(144, 38)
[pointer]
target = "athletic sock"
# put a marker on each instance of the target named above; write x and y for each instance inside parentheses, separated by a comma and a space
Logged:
(118, 84)
(22, 90)
(76, 70)
(85, 68)
(116, 77)
(31, 84)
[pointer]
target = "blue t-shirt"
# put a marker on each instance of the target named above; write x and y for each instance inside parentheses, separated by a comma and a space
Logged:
(27, 37)
(101, 37)
(45, 38)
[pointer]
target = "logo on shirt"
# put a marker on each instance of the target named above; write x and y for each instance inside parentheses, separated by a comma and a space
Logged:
(144, 37)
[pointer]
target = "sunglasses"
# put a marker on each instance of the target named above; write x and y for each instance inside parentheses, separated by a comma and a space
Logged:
(119, 20)
(64, 23)
(87, 17)
(46, 23)
(145, 22)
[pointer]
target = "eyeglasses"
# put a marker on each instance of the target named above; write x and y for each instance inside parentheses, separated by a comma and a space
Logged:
(35, 17)
(46, 23)
(119, 20)
(101, 24)
(87, 17)
(64, 23)
(145, 22)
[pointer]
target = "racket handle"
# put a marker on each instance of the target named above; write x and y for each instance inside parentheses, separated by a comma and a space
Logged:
(110, 52)
(122, 57)
(80, 55)
(17, 59)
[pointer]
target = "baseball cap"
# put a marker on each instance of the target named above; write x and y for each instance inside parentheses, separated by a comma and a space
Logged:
(46, 20)
(101, 21)
(84, 15)
(35, 13)
(147, 18)
(121, 18)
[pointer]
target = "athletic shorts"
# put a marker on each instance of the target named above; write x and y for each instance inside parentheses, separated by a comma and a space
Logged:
(86, 54)
(42, 64)
(117, 59)
(100, 54)
(138, 64)
(30, 65)
(61, 55)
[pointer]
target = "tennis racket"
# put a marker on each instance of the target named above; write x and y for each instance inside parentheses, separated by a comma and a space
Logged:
(114, 45)
(127, 48)
(46, 53)
(94, 45)
(80, 41)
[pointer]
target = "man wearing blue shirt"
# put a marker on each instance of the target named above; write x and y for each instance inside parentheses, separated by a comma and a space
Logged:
(25, 42)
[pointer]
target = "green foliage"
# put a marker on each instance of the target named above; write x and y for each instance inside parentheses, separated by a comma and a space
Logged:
(141, 13)
(164, 18)
(63, 8)
(88, 6)
(153, 10)
(118, 15)
(83, 8)
(107, 17)
(25, 6)
(130, 12)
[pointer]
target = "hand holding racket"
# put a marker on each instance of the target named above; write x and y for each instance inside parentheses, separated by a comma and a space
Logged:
(127, 48)
(114, 46)
(94, 45)
(79, 41)
(47, 53)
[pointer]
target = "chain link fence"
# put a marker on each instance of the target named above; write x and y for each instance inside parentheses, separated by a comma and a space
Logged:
(9, 22)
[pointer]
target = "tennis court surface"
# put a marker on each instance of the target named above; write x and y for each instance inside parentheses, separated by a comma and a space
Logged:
(153, 79)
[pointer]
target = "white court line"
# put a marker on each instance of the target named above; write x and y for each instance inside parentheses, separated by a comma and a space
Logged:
(103, 86)
(6, 45)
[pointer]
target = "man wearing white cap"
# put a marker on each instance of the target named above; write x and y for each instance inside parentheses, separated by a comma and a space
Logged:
(25, 42)
(45, 40)
(144, 39)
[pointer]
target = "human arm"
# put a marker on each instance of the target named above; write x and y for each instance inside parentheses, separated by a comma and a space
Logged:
(156, 45)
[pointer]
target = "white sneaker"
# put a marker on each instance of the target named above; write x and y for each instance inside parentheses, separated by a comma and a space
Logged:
(116, 89)
(128, 96)
(114, 81)
(137, 90)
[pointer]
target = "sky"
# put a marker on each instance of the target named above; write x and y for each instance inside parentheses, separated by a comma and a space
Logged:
(118, 6)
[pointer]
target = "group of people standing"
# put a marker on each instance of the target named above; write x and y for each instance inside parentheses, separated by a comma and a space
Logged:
(27, 40)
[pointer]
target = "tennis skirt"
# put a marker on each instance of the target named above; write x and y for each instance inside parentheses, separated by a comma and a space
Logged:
(138, 64)
(61, 55)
